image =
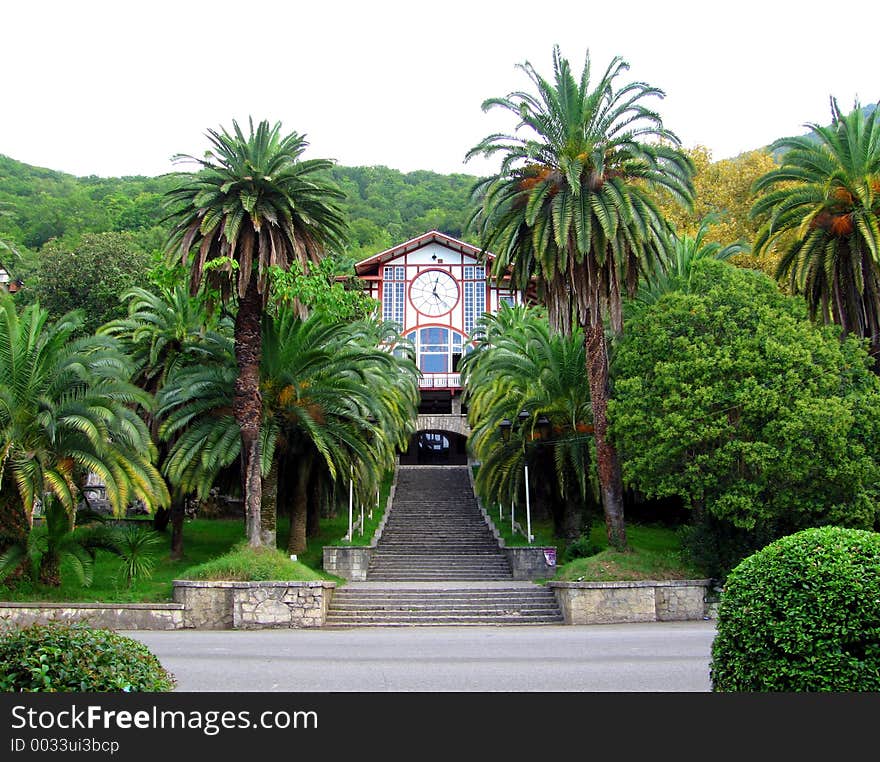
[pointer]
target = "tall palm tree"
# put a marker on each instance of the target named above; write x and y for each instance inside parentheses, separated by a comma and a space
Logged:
(823, 205)
(572, 207)
(254, 204)
(67, 408)
(518, 364)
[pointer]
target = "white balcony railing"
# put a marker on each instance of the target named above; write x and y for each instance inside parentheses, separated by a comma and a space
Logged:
(440, 381)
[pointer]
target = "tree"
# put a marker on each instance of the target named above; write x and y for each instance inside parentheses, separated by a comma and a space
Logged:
(826, 194)
(764, 424)
(67, 408)
(255, 203)
(517, 365)
(333, 399)
(90, 276)
(162, 332)
(675, 272)
(723, 196)
(572, 205)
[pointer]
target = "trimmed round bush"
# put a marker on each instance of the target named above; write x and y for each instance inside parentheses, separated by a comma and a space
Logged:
(802, 614)
(73, 658)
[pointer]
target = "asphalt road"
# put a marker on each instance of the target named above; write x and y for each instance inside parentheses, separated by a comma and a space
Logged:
(653, 656)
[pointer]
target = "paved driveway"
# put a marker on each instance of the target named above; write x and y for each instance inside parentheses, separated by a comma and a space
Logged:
(653, 656)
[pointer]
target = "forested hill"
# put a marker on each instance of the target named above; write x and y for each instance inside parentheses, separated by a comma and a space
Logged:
(385, 206)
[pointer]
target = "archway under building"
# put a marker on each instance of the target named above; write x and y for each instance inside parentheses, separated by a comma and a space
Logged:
(435, 448)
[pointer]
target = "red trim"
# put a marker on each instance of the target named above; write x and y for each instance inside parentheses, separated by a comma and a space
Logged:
(419, 242)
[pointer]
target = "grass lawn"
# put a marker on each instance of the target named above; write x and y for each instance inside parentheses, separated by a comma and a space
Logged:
(655, 554)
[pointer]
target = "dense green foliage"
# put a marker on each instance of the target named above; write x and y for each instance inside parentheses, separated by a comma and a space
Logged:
(66, 408)
(383, 206)
(802, 614)
(731, 399)
(60, 658)
(517, 365)
(89, 276)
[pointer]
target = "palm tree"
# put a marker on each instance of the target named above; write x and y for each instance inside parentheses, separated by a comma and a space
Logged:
(331, 396)
(253, 205)
(162, 332)
(67, 408)
(572, 207)
(823, 205)
(518, 364)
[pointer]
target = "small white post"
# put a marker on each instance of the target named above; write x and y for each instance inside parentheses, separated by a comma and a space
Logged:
(362, 519)
(350, 506)
(528, 509)
(512, 515)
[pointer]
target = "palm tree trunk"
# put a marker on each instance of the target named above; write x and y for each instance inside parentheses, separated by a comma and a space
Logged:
(269, 508)
(608, 464)
(177, 516)
(50, 569)
(14, 524)
(316, 496)
(297, 541)
(247, 403)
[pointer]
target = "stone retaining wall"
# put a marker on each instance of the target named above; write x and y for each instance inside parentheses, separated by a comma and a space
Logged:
(114, 616)
(643, 601)
(253, 605)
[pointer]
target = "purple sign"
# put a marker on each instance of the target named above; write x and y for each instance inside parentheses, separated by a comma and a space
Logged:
(550, 556)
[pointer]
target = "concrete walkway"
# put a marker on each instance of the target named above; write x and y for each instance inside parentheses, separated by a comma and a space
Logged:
(653, 656)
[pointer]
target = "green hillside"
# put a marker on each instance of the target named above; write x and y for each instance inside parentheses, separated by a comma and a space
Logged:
(384, 205)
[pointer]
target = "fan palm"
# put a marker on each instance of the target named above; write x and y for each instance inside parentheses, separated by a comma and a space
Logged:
(572, 207)
(518, 364)
(825, 199)
(254, 204)
(67, 408)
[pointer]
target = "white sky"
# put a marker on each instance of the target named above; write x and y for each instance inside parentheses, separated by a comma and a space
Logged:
(118, 88)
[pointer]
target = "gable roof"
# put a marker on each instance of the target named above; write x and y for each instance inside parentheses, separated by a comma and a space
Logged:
(371, 264)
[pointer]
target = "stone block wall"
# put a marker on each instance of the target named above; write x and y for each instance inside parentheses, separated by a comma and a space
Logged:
(530, 562)
(622, 602)
(114, 616)
(253, 605)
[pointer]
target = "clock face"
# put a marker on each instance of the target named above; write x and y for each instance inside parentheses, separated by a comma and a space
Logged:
(434, 293)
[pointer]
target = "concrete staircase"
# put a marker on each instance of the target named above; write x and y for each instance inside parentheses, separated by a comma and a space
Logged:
(359, 606)
(436, 532)
(437, 563)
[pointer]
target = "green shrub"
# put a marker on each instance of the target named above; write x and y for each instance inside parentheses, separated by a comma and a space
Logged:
(74, 658)
(583, 547)
(245, 564)
(802, 614)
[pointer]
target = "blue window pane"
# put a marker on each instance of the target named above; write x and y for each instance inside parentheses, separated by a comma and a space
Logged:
(434, 363)
(434, 336)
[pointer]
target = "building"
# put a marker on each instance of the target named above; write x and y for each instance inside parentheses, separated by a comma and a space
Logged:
(435, 287)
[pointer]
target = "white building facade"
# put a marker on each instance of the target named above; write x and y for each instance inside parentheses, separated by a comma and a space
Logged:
(435, 288)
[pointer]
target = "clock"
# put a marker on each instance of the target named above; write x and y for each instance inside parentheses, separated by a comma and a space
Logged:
(433, 292)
